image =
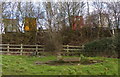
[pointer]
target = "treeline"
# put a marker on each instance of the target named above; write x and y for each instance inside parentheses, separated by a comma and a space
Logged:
(56, 23)
(66, 36)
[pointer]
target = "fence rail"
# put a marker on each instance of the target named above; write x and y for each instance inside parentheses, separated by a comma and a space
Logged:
(27, 49)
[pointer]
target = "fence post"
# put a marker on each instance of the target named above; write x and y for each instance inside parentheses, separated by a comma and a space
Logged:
(83, 46)
(67, 48)
(83, 49)
(43, 48)
(8, 51)
(37, 49)
(21, 50)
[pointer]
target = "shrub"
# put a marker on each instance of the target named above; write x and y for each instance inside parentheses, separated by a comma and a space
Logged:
(109, 47)
(117, 43)
(105, 44)
(53, 42)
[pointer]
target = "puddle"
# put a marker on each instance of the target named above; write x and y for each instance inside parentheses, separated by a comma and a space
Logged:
(87, 62)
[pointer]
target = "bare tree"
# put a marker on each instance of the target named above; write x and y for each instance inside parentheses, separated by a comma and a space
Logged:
(114, 11)
(73, 9)
(8, 10)
(53, 42)
(99, 9)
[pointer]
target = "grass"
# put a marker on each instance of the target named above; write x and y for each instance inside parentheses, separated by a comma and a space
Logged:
(24, 65)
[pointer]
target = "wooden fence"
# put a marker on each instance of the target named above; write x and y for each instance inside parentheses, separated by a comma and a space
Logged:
(28, 49)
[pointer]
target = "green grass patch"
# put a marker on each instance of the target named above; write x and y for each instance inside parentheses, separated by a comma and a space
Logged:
(25, 65)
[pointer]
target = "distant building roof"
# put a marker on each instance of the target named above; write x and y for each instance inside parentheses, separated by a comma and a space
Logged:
(30, 24)
(11, 25)
(77, 22)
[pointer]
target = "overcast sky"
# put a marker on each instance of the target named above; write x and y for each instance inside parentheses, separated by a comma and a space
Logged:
(56, 0)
